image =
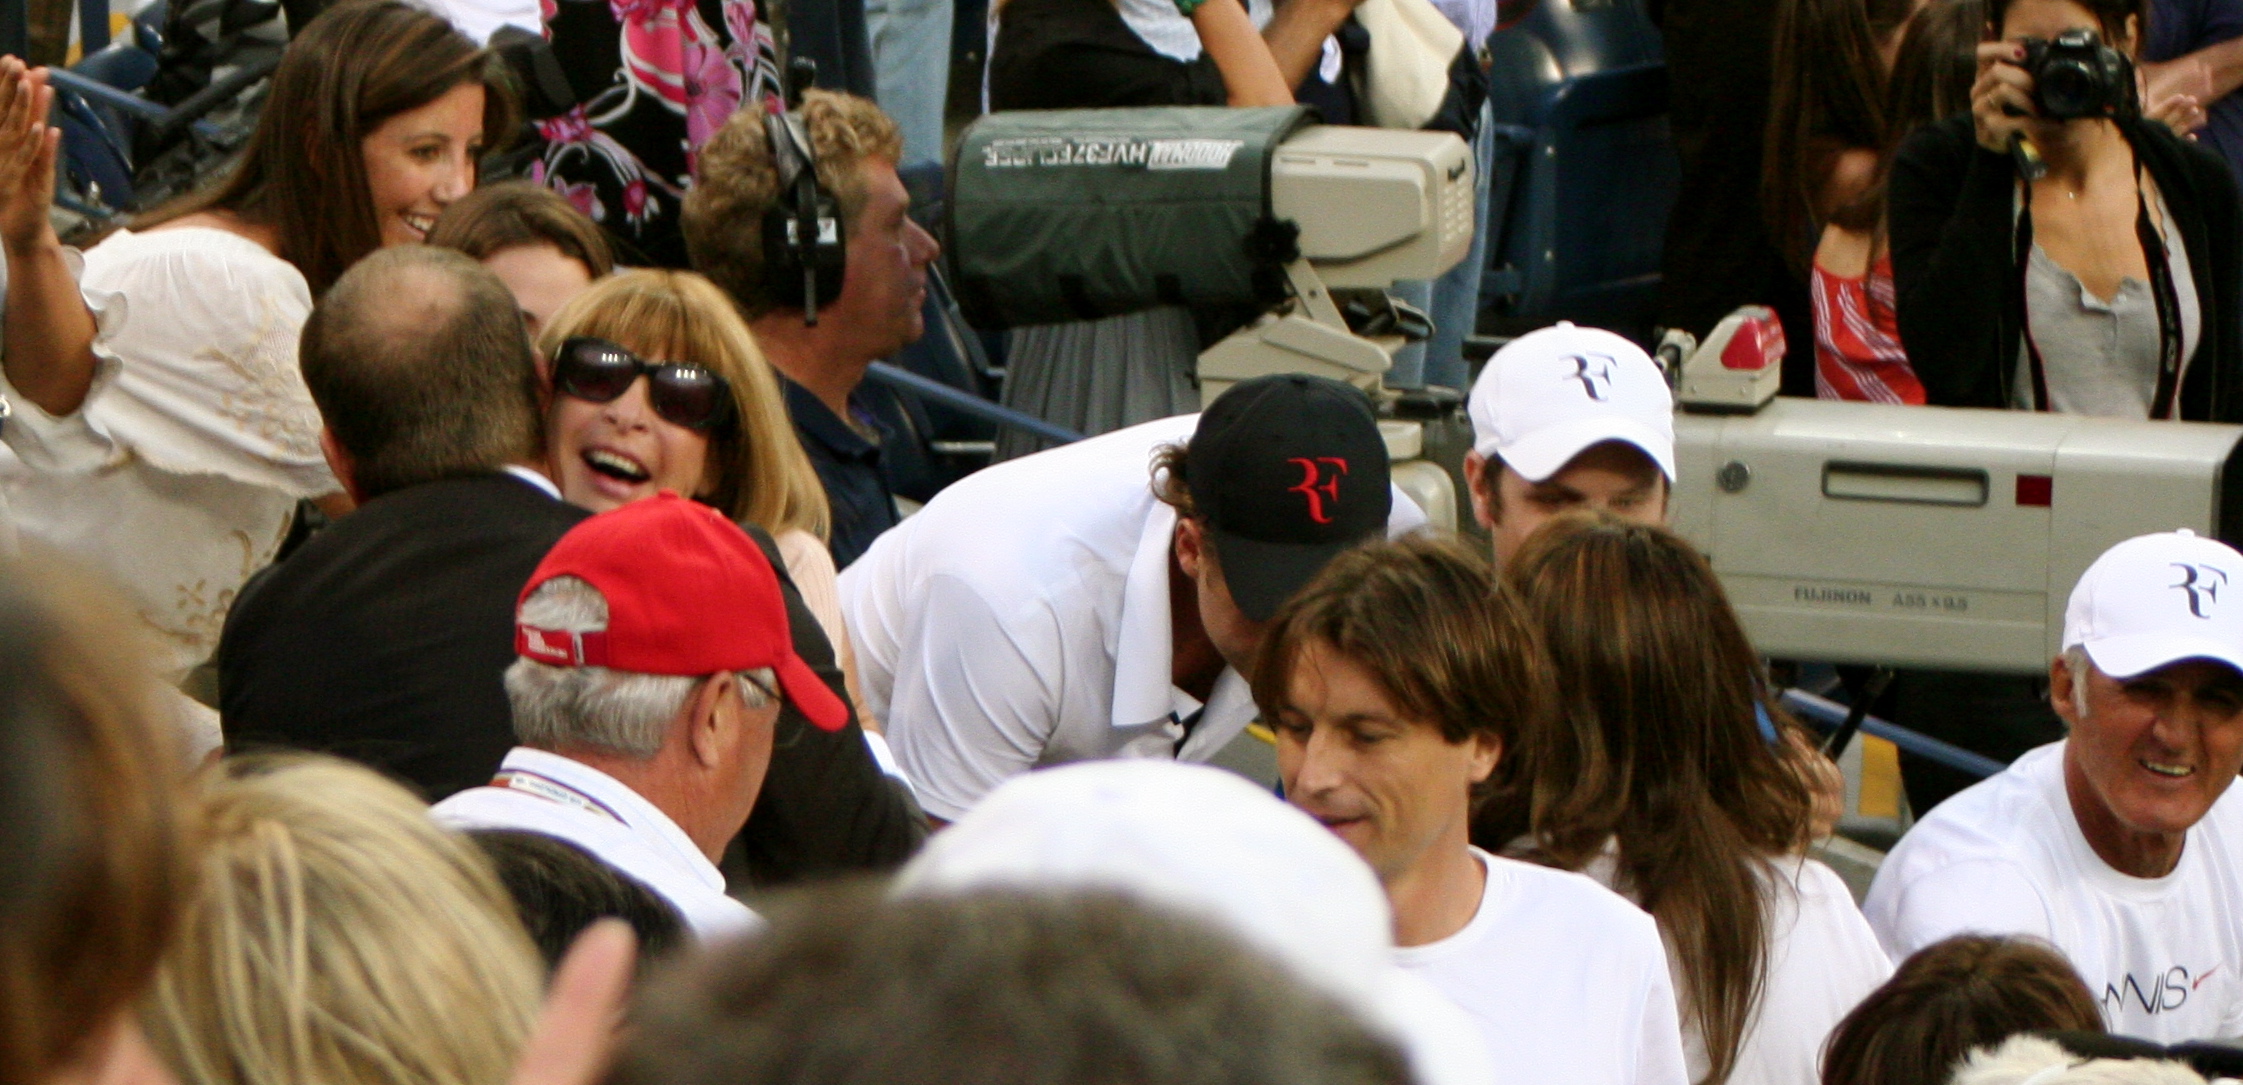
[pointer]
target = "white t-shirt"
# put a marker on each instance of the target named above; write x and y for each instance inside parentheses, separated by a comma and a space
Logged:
(1021, 619)
(1567, 981)
(180, 474)
(1822, 960)
(2161, 955)
(575, 802)
(1158, 24)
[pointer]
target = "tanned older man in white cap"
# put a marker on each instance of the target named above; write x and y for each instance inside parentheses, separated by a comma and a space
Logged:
(2122, 844)
(1568, 418)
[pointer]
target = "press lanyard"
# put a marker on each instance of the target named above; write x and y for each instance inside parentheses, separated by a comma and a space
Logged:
(2165, 400)
(552, 790)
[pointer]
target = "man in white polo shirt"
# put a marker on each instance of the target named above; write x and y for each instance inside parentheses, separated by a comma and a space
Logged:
(1395, 681)
(654, 650)
(2123, 843)
(1568, 418)
(1093, 600)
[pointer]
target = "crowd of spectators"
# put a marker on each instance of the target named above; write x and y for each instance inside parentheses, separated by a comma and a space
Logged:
(468, 634)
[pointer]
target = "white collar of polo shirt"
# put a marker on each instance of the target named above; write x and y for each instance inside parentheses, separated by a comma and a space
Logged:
(643, 819)
(1145, 648)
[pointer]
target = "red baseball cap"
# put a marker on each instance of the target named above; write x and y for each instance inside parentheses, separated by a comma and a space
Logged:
(688, 593)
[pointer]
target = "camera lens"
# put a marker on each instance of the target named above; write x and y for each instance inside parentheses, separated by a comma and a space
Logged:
(2067, 89)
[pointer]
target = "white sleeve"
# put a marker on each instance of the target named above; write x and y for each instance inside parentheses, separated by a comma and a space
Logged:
(971, 705)
(59, 444)
(1404, 517)
(203, 339)
(1659, 1057)
(1984, 896)
(56, 443)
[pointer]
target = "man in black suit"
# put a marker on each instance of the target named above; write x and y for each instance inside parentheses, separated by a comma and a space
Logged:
(386, 637)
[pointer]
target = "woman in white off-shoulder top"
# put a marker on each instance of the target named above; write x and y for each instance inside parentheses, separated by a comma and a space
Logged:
(161, 428)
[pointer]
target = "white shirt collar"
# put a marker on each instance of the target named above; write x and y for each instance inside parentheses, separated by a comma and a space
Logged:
(534, 478)
(644, 819)
(1145, 652)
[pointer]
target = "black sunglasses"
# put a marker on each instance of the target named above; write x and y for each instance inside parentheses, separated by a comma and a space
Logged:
(597, 371)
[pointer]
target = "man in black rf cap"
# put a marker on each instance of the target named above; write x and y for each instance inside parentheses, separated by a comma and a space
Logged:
(1099, 599)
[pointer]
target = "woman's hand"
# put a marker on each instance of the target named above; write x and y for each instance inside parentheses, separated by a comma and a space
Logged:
(2001, 101)
(27, 157)
(47, 327)
(2175, 91)
(2180, 112)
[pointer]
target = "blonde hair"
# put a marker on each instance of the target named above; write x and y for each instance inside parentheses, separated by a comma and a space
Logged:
(762, 475)
(339, 937)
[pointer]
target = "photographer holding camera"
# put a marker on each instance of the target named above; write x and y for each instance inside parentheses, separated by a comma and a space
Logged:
(2055, 250)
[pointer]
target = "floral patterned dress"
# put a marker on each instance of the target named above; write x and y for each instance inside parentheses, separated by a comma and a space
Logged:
(655, 79)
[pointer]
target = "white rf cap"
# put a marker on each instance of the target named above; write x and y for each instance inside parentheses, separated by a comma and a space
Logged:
(2159, 599)
(1550, 394)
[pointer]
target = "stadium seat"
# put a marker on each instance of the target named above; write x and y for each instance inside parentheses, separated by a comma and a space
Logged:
(1585, 170)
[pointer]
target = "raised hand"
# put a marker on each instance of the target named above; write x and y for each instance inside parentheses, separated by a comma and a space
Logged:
(27, 156)
(2001, 101)
(576, 1032)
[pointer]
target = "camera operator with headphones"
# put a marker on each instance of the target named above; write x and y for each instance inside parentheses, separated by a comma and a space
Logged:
(801, 218)
(2053, 249)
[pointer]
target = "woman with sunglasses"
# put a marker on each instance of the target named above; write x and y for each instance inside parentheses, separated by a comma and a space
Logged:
(161, 425)
(658, 385)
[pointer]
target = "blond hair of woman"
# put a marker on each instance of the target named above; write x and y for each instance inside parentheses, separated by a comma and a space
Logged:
(339, 937)
(757, 471)
(754, 470)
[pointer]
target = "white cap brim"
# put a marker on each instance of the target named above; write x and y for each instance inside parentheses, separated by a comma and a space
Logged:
(2136, 654)
(1546, 451)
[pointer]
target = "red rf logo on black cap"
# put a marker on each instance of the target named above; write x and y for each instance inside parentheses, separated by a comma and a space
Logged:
(1315, 487)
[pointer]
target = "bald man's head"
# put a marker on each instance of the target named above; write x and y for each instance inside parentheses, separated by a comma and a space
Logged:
(422, 370)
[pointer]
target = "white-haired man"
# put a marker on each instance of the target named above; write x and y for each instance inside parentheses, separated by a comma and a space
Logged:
(654, 650)
(2122, 844)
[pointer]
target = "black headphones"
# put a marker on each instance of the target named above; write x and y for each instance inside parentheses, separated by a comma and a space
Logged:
(804, 245)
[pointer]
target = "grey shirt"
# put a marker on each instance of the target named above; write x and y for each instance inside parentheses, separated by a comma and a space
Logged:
(2100, 357)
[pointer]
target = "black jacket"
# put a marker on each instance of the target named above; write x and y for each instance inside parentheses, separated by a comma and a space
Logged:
(386, 639)
(1962, 295)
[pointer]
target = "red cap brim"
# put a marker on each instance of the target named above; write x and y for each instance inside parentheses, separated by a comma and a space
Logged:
(810, 695)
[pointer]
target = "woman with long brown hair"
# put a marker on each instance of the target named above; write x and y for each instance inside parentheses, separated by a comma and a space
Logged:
(163, 428)
(1656, 779)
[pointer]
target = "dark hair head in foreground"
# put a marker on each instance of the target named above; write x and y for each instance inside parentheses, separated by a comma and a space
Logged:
(994, 988)
(1967, 992)
(559, 889)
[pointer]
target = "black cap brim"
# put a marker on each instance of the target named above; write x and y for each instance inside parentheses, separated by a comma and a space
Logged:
(1263, 575)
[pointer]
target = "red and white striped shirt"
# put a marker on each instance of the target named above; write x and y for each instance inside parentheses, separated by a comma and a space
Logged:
(1858, 355)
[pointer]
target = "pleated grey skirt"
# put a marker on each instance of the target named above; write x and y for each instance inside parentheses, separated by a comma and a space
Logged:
(1097, 376)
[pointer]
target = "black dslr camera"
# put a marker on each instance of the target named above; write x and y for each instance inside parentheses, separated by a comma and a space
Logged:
(2078, 76)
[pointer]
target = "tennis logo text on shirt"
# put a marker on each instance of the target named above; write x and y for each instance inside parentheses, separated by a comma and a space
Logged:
(2162, 992)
